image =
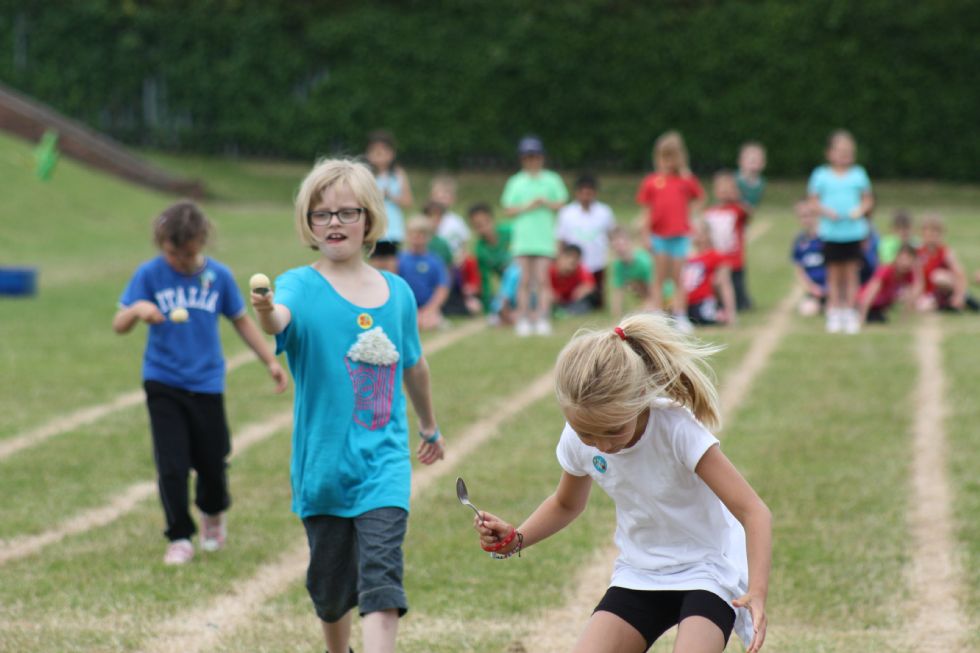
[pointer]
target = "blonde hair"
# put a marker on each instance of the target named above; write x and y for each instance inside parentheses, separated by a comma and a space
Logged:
(419, 223)
(840, 133)
(613, 380)
(669, 149)
(359, 180)
(933, 221)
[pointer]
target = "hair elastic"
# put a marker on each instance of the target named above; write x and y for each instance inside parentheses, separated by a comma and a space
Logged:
(619, 332)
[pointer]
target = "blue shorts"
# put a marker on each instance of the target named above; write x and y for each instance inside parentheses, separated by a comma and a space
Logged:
(675, 247)
(356, 561)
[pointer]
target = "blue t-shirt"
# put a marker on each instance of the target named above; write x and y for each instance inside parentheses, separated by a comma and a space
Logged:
(350, 430)
(808, 253)
(424, 273)
(842, 193)
(186, 355)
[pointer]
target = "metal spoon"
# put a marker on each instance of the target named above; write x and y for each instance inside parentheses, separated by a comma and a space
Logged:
(464, 497)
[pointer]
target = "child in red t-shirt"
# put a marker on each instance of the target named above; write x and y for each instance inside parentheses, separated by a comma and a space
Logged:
(671, 192)
(571, 282)
(707, 274)
(727, 220)
(900, 280)
(943, 278)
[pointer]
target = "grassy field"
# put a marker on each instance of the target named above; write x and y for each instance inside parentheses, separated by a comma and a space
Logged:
(823, 431)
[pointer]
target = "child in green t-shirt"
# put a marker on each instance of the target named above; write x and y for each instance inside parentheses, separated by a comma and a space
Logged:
(492, 250)
(751, 183)
(531, 197)
(632, 270)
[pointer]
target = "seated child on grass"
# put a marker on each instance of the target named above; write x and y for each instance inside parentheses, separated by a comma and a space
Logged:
(492, 250)
(572, 285)
(632, 270)
(900, 280)
(587, 222)
(425, 273)
(450, 227)
(707, 274)
(727, 220)
(944, 279)
(901, 234)
(807, 256)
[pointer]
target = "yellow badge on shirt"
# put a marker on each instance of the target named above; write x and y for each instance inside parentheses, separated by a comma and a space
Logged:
(365, 321)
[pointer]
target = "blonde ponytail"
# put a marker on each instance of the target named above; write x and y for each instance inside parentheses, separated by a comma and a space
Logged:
(615, 377)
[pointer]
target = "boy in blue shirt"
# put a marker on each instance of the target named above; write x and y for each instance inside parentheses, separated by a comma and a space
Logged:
(807, 256)
(180, 295)
(424, 272)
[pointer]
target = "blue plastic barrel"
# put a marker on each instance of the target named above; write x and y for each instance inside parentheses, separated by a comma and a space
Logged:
(18, 281)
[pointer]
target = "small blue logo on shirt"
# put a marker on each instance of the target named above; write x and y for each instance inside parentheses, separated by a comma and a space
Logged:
(600, 464)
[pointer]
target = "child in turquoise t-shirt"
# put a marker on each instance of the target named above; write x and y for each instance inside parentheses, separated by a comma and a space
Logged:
(843, 192)
(531, 197)
(351, 338)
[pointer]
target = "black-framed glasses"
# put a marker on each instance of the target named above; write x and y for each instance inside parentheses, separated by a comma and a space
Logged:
(322, 218)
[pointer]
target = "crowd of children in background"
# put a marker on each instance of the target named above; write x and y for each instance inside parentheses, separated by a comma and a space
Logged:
(549, 256)
(848, 271)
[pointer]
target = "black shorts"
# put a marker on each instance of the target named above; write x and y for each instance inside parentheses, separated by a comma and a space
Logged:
(842, 252)
(652, 613)
(384, 249)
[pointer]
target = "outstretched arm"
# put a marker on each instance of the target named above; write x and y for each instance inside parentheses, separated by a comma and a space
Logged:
(273, 318)
(720, 475)
(555, 513)
(143, 310)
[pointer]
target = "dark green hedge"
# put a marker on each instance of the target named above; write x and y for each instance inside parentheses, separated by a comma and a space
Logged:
(459, 82)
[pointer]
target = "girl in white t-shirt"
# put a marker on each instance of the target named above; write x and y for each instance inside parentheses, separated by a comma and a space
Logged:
(694, 538)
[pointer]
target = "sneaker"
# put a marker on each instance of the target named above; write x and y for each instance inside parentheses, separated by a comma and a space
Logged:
(542, 328)
(522, 328)
(852, 322)
(835, 323)
(179, 552)
(213, 531)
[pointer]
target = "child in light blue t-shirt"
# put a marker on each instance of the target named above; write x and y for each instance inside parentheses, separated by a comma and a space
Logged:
(181, 295)
(843, 191)
(351, 338)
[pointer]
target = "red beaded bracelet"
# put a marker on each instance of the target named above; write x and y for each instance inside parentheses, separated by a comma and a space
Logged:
(503, 543)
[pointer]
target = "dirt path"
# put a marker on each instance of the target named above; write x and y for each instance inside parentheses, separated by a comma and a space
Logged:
(201, 628)
(558, 629)
(937, 622)
(91, 414)
(130, 497)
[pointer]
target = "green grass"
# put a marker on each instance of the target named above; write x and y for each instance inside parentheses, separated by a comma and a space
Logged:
(823, 435)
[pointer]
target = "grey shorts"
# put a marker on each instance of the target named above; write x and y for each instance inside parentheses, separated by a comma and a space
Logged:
(356, 561)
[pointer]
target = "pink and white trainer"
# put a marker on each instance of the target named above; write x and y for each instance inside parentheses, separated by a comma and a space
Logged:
(179, 552)
(213, 532)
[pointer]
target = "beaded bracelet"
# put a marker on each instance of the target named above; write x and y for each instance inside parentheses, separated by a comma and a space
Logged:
(431, 439)
(502, 543)
(516, 551)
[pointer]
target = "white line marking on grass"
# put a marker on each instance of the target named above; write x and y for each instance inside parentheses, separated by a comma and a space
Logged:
(131, 496)
(88, 415)
(127, 501)
(557, 629)
(938, 623)
(201, 628)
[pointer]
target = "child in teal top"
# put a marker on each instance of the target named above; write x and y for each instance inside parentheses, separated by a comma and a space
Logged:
(531, 197)
(842, 191)
(351, 338)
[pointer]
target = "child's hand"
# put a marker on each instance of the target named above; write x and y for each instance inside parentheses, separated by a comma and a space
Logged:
(278, 375)
(148, 312)
(430, 452)
(429, 319)
(492, 530)
(757, 608)
(831, 214)
(262, 303)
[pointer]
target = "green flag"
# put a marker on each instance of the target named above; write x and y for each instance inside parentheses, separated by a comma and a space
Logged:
(46, 155)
